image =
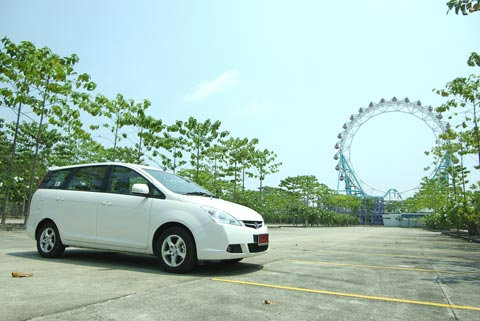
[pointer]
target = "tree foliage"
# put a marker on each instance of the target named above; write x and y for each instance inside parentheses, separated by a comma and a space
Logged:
(52, 101)
(463, 6)
(453, 200)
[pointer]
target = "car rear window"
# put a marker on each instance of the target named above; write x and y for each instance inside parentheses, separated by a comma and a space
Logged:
(88, 179)
(55, 179)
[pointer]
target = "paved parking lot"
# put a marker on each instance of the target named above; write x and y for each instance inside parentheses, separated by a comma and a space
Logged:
(353, 273)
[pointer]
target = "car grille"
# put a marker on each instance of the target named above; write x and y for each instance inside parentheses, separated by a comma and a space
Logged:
(253, 224)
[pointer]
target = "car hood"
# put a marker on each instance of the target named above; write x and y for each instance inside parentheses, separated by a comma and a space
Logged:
(240, 212)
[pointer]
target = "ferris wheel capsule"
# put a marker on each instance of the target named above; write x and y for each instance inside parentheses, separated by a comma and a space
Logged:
(394, 99)
(337, 168)
(447, 126)
(336, 146)
(430, 109)
(345, 126)
(382, 101)
(335, 157)
(370, 105)
(360, 110)
(339, 136)
(439, 116)
(419, 103)
(352, 117)
(406, 100)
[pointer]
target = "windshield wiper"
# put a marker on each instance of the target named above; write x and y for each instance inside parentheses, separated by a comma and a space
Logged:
(200, 194)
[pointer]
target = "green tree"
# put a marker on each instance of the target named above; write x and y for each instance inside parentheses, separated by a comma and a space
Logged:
(48, 84)
(170, 146)
(248, 158)
(14, 93)
(55, 81)
(345, 203)
(463, 93)
(264, 161)
(148, 128)
(463, 6)
(433, 194)
(199, 138)
(466, 7)
(120, 113)
(217, 156)
(303, 189)
(237, 153)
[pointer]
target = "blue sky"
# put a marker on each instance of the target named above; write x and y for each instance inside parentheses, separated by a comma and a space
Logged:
(287, 72)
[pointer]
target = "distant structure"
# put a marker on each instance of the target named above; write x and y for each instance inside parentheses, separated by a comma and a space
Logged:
(352, 183)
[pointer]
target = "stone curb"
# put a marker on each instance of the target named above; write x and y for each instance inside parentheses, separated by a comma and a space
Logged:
(465, 237)
(12, 227)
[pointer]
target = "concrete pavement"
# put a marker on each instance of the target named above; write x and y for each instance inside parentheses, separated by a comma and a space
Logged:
(351, 273)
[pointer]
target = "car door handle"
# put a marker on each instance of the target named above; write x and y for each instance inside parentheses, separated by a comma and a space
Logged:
(59, 199)
(106, 203)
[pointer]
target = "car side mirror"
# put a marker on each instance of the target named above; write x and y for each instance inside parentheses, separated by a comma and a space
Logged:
(140, 189)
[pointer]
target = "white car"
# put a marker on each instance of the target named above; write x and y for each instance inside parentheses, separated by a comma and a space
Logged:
(141, 209)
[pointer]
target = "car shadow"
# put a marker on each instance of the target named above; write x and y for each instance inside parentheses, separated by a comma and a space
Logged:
(139, 263)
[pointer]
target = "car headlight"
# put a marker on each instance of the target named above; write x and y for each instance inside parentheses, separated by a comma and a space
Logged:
(220, 216)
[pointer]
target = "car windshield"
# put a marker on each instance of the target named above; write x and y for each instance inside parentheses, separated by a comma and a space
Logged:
(178, 184)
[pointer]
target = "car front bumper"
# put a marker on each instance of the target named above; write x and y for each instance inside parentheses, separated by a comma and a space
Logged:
(223, 242)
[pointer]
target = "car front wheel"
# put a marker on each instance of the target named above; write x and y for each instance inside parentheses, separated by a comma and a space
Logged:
(175, 250)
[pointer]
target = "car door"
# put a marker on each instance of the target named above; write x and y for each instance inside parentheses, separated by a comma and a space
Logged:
(123, 218)
(79, 201)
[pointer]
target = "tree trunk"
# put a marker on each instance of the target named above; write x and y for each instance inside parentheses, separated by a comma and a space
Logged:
(243, 178)
(115, 140)
(140, 147)
(463, 181)
(35, 156)
(10, 165)
(215, 175)
(198, 163)
(235, 182)
(174, 159)
(476, 131)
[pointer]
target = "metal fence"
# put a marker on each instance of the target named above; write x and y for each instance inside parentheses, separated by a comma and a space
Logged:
(14, 213)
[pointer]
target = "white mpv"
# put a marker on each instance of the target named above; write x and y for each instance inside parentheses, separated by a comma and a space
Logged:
(141, 209)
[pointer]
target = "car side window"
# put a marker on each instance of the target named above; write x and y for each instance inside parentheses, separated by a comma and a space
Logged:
(122, 180)
(87, 179)
(55, 179)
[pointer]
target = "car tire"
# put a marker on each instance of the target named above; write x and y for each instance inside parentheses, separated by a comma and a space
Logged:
(49, 243)
(176, 251)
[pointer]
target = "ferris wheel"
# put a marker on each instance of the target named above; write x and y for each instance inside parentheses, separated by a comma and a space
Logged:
(354, 185)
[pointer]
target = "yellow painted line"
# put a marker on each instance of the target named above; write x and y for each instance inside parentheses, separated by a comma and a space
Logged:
(392, 247)
(351, 295)
(440, 258)
(374, 266)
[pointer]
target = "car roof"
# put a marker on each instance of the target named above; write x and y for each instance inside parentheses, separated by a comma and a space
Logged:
(55, 168)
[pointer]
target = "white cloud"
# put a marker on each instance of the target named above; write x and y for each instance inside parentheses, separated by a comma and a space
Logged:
(225, 81)
(257, 108)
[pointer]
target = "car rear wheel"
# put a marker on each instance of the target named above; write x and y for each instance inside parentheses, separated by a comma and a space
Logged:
(49, 244)
(175, 250)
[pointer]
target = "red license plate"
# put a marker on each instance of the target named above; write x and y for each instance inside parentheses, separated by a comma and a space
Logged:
(263, 239)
